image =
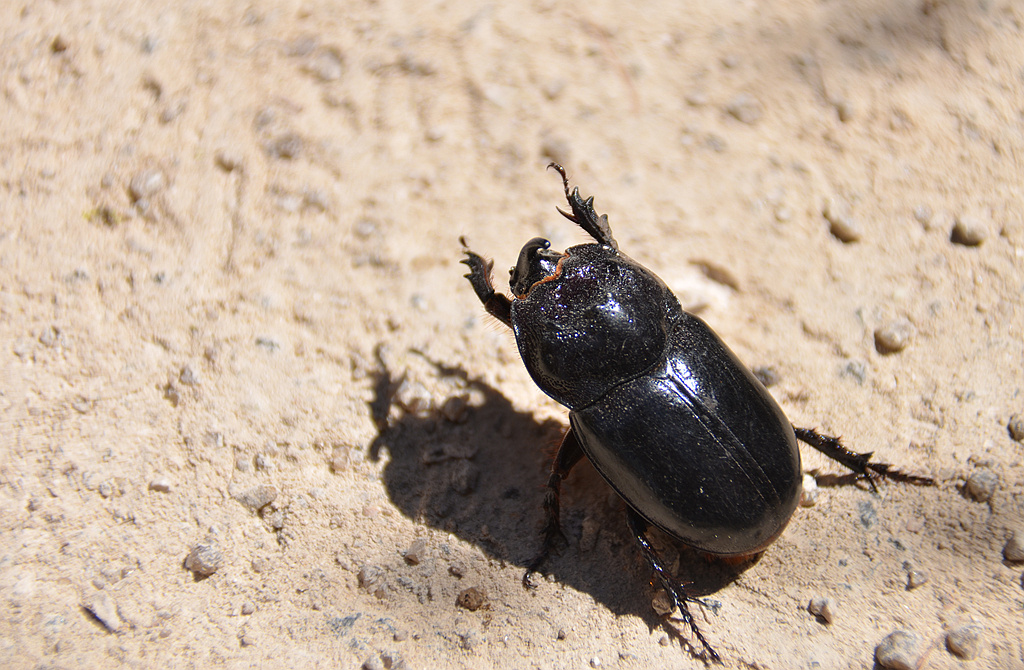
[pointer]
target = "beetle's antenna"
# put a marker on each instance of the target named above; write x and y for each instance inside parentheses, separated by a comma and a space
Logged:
(583, 214)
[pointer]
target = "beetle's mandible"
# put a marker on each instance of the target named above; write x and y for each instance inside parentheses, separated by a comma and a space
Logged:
(667, 414)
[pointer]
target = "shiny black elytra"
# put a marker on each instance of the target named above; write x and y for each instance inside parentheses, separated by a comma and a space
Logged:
(667, 414)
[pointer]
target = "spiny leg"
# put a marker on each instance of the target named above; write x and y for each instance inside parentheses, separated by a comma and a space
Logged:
(860, 464)
(583, 214)
(569, 453)
(479, 276)
(638, 526)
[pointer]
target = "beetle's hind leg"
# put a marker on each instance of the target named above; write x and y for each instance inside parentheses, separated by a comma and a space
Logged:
(638, 526)
(496, 304)
(860, 464)
(569, 453)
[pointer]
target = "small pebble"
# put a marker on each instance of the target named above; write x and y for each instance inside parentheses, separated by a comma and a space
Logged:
(463, 477)
(900, 650)
(916, 578)
(1015, 427)
(229, 159)
(414, 398)
(257, 497)
(470, 638)
(662, 603)
(968, 232)
(416, 551)
(857, 370)
(173, 109)
(718, 274)
(103, 607)
(339, 458)
(809, 494)
(248, 608)
(553, 88)
(842, 225)
(894, 336)
(275, 518)
(472, 599)
(768, 376)
(316, 199)
(964, 641)
(454, 408)
(867, 514)
(372, 578)
(366, 228)
(145, 184)
(822, 608)
(1014, 549)
(205, 558)
(160, 485)
(287, 146)
(745, 108)
(50, 337)
(716, 143)
(982, 484)
(696, 98)
(326, 65)
(923, 214)
(845, 110)
(188, 376)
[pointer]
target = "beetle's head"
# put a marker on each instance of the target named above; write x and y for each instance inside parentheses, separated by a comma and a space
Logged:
(536, 263)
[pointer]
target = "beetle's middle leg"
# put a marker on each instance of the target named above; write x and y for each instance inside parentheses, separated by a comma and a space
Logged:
(638, 526)
(496, 304)
(860, 463)
(569, 453)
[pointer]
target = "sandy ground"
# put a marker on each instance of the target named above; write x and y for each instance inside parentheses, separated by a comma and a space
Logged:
(228, 230)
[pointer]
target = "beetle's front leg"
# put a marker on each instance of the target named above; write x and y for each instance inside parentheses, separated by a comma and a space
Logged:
(569, 453)
(638, 526)
(479, 276)
(860, 463)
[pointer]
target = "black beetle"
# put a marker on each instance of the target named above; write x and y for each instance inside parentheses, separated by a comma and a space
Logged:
(667, 414)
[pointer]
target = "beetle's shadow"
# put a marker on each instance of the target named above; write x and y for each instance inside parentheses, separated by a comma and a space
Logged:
(479, 474)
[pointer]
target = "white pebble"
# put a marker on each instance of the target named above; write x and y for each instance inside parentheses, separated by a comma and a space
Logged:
(745, 108)
(103, 607)
(809, 494)
(160, 485)
(146, 183)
